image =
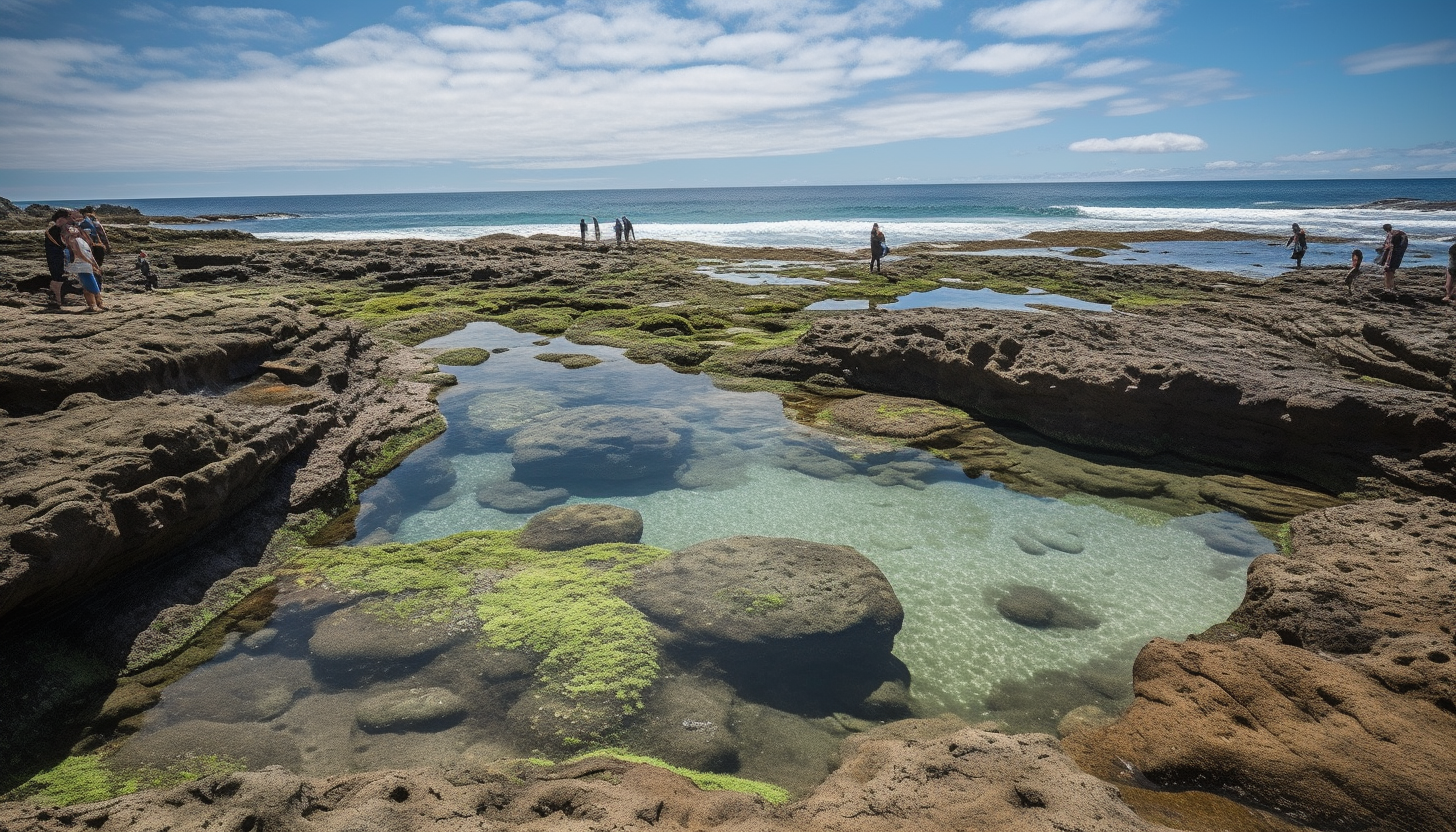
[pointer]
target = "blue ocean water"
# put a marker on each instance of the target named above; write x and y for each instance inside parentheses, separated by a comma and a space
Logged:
(839, 216)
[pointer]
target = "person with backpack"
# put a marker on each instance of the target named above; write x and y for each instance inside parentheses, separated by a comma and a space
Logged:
(95, 234)
(877, 248)
(1396, 242)
(1300, 242)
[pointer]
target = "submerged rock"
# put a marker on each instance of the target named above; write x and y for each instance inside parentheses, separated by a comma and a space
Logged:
(600, 442)
(352, 643)
(417, 709)
(1227, 533)
(1032, 606)
(585, 524)
(510, 409)
(254, 744)
(519, 498)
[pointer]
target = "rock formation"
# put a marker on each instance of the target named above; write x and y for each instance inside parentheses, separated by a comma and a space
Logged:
(1336, 706)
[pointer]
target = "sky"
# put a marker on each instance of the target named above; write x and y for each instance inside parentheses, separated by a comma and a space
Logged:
(156, 99)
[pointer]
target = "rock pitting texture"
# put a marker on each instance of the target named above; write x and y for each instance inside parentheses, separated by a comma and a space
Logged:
(921, 776)
(1340, 711)
(134, 441)
(1172, 381)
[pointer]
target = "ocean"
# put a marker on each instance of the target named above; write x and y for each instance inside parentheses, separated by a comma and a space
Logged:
(839, 217)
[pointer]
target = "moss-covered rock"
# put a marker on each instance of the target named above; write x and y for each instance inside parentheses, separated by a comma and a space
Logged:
(462, 357)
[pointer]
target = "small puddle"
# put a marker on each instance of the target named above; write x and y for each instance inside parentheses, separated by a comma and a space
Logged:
(948, 297)
(950, 546)
(771, 272)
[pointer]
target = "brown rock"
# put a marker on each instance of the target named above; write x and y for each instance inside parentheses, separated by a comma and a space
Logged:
(584, 524)
(1340, 712)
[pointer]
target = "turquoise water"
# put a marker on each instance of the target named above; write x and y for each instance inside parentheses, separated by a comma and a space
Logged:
(947, 544)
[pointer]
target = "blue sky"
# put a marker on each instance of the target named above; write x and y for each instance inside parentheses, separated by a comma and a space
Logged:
(154, 98)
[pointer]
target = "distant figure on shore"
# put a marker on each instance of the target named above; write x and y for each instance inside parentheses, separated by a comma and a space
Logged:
(628, 233)
(84, 267)
(56, 252)
(597, 229)
(145, 267)
(877, 248)
(617, 227)
(583, 232)
(1357, 257)
(1450, 273)
(1300, 242)
(1391, 253)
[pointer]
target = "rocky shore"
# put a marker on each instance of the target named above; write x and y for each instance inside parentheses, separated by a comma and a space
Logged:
(160, 460)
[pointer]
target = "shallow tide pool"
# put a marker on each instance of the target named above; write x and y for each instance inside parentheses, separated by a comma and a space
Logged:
(946, 543)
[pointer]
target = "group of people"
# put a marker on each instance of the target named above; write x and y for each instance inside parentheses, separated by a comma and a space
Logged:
(622, 226)
(76, 245)
(1389, 256)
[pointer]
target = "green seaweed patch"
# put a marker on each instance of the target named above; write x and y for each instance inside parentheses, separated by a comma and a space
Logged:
(366, 472)
(1087, 252)
(552, 321)
(463, 357)
(569, 360)
(751, 603)
(87, 779)
(707, 781)
(1284, 539)
(563, 606)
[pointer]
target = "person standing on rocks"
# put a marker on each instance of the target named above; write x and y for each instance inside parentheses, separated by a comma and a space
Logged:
(583, 232)
(95, 234)
(145, 267)
(1357, 258)
(85, 267)
(877, 248)
(628, 233)
(597, 229)
(55, 250)
(1300, 242)
(617, 227)
(1396, 242)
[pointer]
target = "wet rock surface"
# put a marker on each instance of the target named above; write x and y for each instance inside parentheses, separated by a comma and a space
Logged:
(124, 436)
(584, 524)
(980, 782)
(1336, 707)
(1175, 379)
(417, 709)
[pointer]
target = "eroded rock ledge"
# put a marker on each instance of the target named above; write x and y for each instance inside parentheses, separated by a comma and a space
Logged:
(1337, 706)
(128, 432)
(1178, 381)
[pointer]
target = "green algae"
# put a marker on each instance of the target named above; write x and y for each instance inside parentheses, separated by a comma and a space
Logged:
(595, 648)
(569, 360)
(366, 472)
(707, 781)
(89, 778)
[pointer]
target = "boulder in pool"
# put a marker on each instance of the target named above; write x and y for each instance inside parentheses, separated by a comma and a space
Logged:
(518, 498)
(255, 744)
(353, 643)
(793, 624)
(584, 524)
(1226, 533)
(1032, 606)
(600, 443)
(417, 709)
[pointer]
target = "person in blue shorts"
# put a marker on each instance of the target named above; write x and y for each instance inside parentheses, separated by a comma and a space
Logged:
(84, 267)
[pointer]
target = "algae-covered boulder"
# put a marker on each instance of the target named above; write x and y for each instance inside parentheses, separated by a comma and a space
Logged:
(254, 744)
(586, 524)
(416, 709)
(901, 418)
(600, 442)
(1032, 606)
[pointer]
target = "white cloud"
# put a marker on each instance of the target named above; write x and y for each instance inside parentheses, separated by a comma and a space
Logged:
(1067, 17)
(1183, 89)
(1401, 56)
(18, 7)
(1226, 165)
(1440, 149)
(1009, 58)
(1150, 143)
(1108, 67)
(1376, 169)
(1327, 155)
(569, 89)
(1443, 168)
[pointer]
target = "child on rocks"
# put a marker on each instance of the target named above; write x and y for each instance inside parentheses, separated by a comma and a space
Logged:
(1356, 258)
